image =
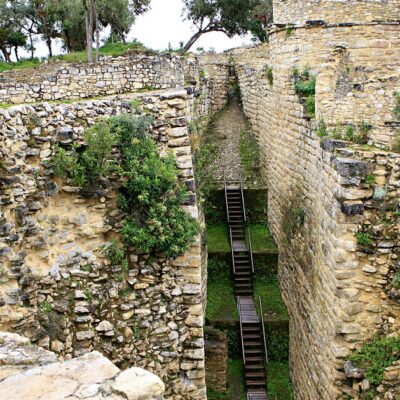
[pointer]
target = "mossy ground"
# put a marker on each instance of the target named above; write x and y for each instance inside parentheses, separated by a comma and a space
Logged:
(236, 389)
(279, 385)
(261, 238)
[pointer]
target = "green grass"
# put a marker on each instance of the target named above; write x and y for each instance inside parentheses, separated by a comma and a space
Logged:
(109, 49)
(279, 381)
(279, 384)
(19, 65)
(217, 239)
(221, 303)
(261, 239)
(273, 306)
(236, 383)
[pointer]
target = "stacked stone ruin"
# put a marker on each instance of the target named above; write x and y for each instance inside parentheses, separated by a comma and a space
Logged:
(338, 295)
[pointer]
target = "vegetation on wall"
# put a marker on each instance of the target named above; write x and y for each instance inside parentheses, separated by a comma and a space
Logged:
(376, 355)
(358, 134)
(396, 110)
(304, 84)
(151, 194)
(269, 75)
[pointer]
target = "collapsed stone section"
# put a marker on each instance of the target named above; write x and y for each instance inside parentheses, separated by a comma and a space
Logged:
(28, 371)
(57, 288)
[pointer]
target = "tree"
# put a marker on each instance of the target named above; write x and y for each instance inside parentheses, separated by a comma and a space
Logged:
(11, 36)
(232, 17)
(16, 39)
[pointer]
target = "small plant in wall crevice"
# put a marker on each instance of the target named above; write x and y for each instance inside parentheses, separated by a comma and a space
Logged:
(304, 84)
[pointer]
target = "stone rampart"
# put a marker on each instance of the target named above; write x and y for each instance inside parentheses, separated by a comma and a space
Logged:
(323, 194)
(52, 82)
(335, 11)
(56, 286)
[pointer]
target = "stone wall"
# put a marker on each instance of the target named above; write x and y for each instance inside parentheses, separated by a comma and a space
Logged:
(335, 11)
(322, 193)
(31, 372)
(217, 69)
(62, 81)
(57, 288)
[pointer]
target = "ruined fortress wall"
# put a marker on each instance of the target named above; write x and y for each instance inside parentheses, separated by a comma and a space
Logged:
(77, 81)
(56, 286)
(217, 68)
(337, 294)
(335, 11)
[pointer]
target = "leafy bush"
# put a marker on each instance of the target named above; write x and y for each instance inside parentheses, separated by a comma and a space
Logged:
(375, 356)
(304, 82)
(152, 197)
(115, 252)
(89, 167)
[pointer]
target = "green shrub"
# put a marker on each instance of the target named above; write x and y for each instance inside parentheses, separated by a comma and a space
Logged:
(45, 307)
(310, 106)
(322, 130)
(115, 252)
(364, 240)
(202, 74)
(396, 281)
(375, 356)
(152, 197)
(269, 75)
(370, 179)
(304, 82)
(89, 167)
(396, 110)
(349, 133)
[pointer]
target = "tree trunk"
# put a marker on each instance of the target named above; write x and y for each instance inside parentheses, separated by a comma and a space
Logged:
(89, 31)
(6, 54)
(191, 42)
(32, 49)
(16, 53)
(97, 24)
(48, 43)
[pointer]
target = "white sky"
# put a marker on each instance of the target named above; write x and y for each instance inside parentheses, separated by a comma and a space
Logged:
(164, 24)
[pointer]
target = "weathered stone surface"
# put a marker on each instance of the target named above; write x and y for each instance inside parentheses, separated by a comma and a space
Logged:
(128, 383)
(90, 376)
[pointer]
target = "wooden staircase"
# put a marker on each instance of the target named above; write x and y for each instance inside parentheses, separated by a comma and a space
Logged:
(252, 331)
(242, 259)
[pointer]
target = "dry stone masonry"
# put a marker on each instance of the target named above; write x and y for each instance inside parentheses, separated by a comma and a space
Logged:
(324, 193)
(110, 76)
(57, 288)
(333, 204)
(30, 372)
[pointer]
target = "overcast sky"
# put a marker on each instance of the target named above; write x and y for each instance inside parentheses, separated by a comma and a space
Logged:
(164, 24)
